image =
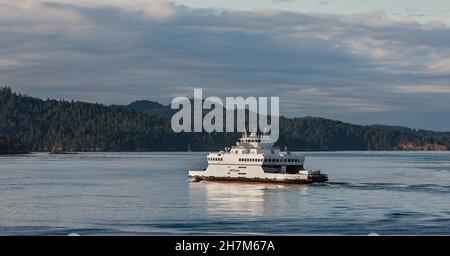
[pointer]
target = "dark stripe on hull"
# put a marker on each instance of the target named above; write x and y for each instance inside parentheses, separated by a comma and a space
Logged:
(239, 179)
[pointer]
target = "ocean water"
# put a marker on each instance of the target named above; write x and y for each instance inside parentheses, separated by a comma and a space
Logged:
(387, 193)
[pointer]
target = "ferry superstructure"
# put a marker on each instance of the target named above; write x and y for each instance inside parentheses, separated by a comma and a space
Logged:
(253, 159)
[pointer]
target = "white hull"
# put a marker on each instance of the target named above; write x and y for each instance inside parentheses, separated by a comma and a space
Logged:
(254, 174)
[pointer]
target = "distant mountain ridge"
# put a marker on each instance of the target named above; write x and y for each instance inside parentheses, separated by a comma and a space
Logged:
(149, 107)
(52, 125)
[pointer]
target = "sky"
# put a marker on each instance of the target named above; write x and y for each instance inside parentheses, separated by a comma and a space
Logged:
(365, 62)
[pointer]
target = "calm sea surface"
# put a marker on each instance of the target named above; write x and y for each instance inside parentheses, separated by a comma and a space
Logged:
(148, 194)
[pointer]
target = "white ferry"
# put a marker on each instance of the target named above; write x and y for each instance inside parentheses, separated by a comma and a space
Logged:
(253, 159)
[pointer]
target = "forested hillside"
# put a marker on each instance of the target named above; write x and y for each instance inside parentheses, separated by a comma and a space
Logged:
(11, 146)
(46, 125)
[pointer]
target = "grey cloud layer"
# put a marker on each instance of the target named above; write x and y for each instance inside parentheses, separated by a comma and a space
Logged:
(361, 68)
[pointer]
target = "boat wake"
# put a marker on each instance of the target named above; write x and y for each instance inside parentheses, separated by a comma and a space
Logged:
(427, 188)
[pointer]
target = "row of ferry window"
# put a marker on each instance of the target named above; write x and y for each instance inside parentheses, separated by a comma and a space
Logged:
(257, 160)
(249, 160)
(268, 160)
(250, 140)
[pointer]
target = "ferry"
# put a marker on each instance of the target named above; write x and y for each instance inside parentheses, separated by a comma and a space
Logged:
(254, 159)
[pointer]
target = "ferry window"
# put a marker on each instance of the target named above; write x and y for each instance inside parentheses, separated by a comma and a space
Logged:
(278, 160)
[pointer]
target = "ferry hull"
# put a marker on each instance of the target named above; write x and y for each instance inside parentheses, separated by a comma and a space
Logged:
(312, 179)
(255, 173)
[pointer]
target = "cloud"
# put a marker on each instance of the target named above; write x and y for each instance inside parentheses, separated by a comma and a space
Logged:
(156, 9)
(336, 66)
(440, 66)
(422, 89)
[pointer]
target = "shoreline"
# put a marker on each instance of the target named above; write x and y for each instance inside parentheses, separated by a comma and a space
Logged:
(206, 150)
